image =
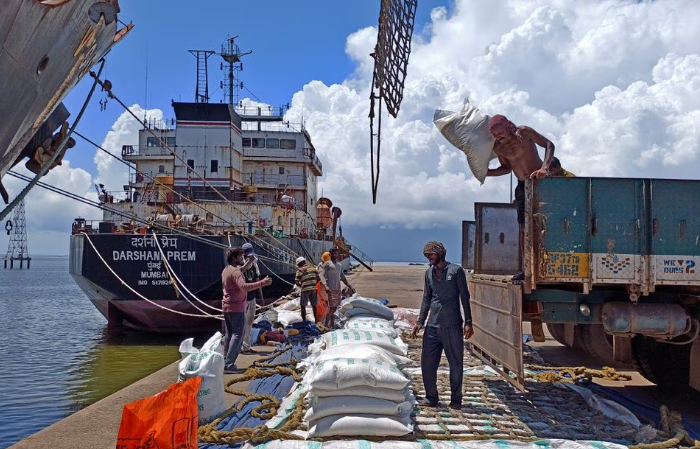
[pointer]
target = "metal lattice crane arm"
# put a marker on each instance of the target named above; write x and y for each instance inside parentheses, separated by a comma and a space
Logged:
(396, 20)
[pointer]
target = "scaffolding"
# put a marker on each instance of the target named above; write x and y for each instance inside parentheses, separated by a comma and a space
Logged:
(17, 230)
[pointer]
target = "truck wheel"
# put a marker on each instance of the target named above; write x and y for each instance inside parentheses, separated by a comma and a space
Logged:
(668, 366)
(596, 342)
(556, 330)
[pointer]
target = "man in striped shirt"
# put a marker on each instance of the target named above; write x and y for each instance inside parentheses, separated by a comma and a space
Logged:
(306, 278)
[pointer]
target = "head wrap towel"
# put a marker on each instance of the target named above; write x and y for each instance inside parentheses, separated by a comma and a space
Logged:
(435, 247)
(500, 121)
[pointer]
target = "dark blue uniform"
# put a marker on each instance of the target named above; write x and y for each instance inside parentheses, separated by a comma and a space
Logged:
(441, 296)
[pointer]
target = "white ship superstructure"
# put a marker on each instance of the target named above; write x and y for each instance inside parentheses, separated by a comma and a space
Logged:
(237, 170)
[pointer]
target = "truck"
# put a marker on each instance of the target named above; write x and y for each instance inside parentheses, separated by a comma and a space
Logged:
(611, 266)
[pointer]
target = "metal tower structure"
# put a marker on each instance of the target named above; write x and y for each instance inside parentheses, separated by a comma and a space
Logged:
(202, 93)
(17, 230)
(232, 55)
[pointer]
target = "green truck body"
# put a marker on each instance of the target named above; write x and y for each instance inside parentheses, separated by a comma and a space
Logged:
(611, 265)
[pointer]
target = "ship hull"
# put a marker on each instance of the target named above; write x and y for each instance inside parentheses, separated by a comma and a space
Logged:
(44, 51)
(131, 285)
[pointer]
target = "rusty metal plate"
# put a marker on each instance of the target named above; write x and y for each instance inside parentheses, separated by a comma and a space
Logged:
(497, 319)
(497, 239)
(468, 241)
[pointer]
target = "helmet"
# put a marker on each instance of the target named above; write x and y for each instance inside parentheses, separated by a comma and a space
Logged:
(300, 260)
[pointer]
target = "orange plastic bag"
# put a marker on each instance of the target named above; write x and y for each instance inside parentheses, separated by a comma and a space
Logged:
(322, 306)
(166, 420)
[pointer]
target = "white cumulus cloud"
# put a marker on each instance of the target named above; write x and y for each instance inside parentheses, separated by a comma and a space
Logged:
(614, 84)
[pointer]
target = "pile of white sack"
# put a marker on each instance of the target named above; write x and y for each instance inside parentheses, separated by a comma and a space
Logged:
(357, 306)
(290, 312)
(354, 377)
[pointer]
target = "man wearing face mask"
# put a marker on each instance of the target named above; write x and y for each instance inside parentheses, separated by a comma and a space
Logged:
(445, 287)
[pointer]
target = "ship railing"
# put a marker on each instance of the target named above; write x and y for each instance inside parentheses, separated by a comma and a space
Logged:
(276, 153)
(273, 179)
(357, 253)
(259, 111)
(278, 127)
(145, 150)
(311, 154)
(143, 177)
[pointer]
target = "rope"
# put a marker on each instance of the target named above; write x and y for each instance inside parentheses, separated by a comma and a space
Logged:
(87, 237)
(177, 279)
(164, 144)
(155, 180)
(575, 374)
(44, 168)
(672, 426)
(268, 407)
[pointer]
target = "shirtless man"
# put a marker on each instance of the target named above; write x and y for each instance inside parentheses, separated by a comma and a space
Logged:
(517, 152)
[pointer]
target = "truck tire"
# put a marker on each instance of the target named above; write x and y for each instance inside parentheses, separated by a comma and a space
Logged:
(668, 366)
(556, 330)
(597, 343)
(558, 333)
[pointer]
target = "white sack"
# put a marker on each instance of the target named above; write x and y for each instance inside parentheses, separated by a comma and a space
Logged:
(374, 327)
(344, 337)
(363, 390)
(371, 352)
(349, 372)
(208, 363)
(468, 130)
(437, 444)
(371, 320)
(373, 306)
(320, 407)
(357, 425)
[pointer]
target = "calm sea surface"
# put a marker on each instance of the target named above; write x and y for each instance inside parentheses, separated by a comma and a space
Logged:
(55, 357)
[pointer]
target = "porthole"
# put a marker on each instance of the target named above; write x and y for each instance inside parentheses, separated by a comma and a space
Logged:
(42, 65)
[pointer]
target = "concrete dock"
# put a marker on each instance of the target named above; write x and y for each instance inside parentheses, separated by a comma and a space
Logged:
(96, 426)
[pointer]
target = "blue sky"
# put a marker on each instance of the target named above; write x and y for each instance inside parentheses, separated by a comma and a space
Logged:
(292, 44)
(615, 84)
(297, 43)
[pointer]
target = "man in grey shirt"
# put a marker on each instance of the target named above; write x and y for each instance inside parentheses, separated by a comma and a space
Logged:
(331, 275)
(445, 286)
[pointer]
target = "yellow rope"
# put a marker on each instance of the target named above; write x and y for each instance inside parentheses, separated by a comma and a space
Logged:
(672, 426)
(557, 373)
(268, 407)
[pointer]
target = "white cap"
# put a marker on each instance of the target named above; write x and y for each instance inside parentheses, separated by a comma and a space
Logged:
(300, 260)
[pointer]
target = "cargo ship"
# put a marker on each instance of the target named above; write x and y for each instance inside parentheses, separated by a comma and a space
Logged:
(216, 175)
(46, 48)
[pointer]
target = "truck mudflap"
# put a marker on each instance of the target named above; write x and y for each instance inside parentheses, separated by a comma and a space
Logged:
(497, 319)
(695, 365)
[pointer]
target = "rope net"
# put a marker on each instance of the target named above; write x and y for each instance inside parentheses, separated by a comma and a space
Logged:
(393, 48)
(391, 53)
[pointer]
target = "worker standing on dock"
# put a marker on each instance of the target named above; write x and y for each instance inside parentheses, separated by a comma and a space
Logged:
(251, 272)
(235, 290)
(307, 278)
(445, 286)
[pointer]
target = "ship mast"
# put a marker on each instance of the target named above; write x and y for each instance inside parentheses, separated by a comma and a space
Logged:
(231, 53)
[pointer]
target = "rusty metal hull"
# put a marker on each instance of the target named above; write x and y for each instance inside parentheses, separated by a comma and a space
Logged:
(46, 47)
